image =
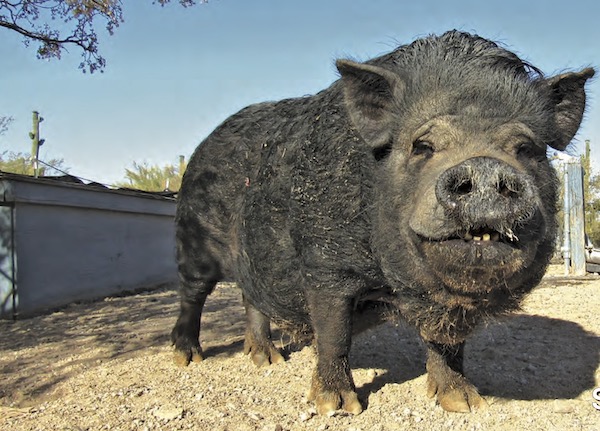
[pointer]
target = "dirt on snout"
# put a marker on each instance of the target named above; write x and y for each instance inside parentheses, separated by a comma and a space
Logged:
(108, 365)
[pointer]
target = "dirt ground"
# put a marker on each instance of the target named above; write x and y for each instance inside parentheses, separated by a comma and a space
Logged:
(108, 365)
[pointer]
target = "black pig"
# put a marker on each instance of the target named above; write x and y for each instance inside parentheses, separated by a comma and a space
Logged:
(418, 183)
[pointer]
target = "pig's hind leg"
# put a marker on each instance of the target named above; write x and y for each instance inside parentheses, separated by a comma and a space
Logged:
(199, 272)
(446, 380)
(186, 333)
(258, 343)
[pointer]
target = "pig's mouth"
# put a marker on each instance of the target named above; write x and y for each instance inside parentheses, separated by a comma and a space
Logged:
(484, 235)
(477, 260)
(476, 237)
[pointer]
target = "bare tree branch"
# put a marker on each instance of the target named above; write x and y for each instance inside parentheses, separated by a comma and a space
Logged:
(4, 122)
(73, 24)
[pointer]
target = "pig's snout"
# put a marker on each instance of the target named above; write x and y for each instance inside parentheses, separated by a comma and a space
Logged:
(486, 192)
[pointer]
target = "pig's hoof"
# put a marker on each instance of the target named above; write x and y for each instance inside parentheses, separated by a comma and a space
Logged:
(182, 357)
(327, 402)
(187, 345)
(457, 396)
(262, 354)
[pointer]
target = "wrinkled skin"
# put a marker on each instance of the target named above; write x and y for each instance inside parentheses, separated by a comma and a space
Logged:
(417, 184)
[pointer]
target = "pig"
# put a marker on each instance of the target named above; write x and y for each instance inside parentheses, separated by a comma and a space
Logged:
(417, 185)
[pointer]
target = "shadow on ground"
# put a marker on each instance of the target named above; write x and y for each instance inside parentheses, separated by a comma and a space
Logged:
(522, 357)
(529, 357)
(38, 353)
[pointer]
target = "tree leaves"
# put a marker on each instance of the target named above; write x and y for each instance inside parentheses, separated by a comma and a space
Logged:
(153, 178)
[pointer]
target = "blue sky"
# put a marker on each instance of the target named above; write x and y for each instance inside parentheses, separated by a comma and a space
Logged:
(174, 74)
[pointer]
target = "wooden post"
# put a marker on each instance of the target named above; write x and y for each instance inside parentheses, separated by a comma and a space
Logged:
(566, 248)
(576, 217)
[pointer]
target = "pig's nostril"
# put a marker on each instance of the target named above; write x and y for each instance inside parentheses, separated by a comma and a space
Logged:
(462, 187)
(453, 187)
(508, 190)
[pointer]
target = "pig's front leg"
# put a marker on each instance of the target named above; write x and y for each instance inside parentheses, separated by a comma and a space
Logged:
(446, 380)
(332, 385)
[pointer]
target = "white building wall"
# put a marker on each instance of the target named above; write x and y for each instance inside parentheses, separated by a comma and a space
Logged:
(72, 242)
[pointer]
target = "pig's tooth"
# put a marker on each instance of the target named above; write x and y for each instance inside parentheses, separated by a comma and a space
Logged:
(477, 238)
(468, 236)
(486, 237)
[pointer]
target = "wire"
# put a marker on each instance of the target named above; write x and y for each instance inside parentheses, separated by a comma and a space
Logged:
(76, 176)
(55, 168)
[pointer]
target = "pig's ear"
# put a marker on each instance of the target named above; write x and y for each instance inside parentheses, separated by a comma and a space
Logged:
(370, 93)
(569, 96)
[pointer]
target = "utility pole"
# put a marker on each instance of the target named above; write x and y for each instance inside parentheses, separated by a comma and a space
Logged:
(590, 214)
(36, 143)
(181, 165)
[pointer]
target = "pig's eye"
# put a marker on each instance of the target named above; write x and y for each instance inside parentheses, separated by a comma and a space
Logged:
(529, 150)
(382, 152)
(423, 148)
